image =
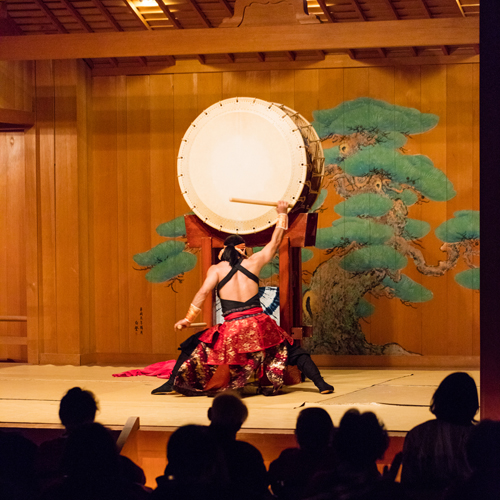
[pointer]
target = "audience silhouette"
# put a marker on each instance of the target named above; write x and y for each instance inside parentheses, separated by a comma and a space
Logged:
(483, 454)
(17, 467)
(93, 470)
(359, 442)
(291, 472)
(446, 458)
(247, 472)
(434, 452)
(77, 407)
(196, 467)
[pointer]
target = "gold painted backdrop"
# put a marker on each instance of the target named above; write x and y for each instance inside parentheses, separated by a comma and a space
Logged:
(139, 122)
(102, 167)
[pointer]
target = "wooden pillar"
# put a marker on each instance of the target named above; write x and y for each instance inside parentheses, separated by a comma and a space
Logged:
(490, 209)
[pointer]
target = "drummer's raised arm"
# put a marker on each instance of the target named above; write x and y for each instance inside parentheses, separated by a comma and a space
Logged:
(268, 252)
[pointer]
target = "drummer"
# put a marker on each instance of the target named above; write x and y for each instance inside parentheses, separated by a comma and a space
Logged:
(249, 343)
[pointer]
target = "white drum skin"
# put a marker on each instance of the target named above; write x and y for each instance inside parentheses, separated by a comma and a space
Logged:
(247, 148)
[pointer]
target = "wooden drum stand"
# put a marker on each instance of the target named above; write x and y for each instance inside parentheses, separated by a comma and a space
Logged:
(301, 233)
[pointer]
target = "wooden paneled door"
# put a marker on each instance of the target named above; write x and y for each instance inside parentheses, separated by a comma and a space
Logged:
(13, 307)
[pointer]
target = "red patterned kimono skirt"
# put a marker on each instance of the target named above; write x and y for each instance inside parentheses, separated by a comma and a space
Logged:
(249, 344)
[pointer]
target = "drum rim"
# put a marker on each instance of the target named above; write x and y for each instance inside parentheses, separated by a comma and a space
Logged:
(192, 198)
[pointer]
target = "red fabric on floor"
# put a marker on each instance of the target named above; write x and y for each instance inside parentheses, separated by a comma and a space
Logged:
(163, 369)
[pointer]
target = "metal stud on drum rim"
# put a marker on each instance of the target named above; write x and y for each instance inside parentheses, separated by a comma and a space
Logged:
(248, 148)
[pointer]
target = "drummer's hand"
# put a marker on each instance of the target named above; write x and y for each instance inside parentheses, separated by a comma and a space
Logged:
(183, 323)
(282, 207)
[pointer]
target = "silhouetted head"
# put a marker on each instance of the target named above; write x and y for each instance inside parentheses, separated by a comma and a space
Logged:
(228, 411)
(483, 446)
(456, 400)
(360, 439)
(91, 453)
(193, 454)
(230, 253)
(314, 429)
(77, 407)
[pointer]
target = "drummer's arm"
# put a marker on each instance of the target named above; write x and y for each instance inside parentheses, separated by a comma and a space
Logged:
(268, 252)
(194, 309)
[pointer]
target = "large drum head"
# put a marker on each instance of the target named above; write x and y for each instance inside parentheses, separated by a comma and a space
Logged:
(241, 148)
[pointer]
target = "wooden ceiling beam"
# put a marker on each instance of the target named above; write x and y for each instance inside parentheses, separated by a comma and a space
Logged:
(84, 25)
(426, 9)
(428, 13)
(459, 5)
(77, 16)
(325, 10)
(14, 119)
(105, 12)
(200, 13)
(327, 36)
(227, 7)
(51, 16)
(135, 12)
(358, 9)
(169, 14)
(8, 26)
(393, 9)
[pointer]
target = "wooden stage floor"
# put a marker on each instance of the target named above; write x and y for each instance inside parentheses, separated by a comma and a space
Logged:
(30, 396)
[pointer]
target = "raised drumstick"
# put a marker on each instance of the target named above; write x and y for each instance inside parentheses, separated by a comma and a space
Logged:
(254, 202)
(193, 325)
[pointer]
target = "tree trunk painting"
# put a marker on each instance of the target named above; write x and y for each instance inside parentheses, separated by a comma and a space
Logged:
(373, 240)
(367, 247)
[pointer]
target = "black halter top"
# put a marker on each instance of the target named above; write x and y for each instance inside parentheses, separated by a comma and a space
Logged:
(229, 306)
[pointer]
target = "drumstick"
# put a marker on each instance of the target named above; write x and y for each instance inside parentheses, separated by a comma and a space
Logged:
(193, 325)
(254, 202)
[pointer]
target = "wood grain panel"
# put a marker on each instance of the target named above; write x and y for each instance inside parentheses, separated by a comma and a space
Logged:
(186, 110)
(258, 84)
(163, 185)
(104, 195)
(124, 257)
(433, 145)
(45, 104)
(283, 87)
(459, 161)
(32, 246)
(12, 256)
(136, 126)
(66, 208)
(83, 109)
(7, 94)
(139, 209)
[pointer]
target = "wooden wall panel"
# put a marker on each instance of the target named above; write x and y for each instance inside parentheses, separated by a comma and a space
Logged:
(460, 170)
(185, 111)
(103, 185)
(433, 144)
(45, 105)
(16, 85)
(122, 216)
(173, 101)
(16, 92)
(66, 209)
(62, 210)
(12, 254)
(163, 182)
(139, 208)
(103, 167)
